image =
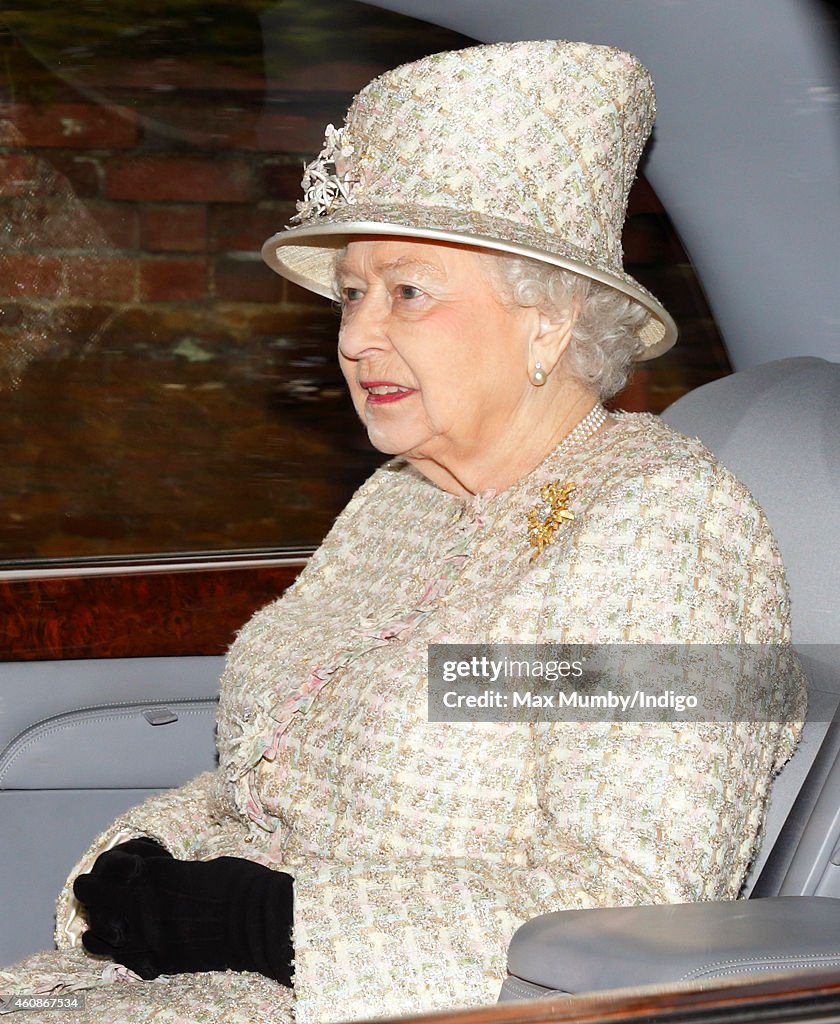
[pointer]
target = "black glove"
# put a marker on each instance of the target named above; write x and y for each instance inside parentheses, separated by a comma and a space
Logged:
(158, 915)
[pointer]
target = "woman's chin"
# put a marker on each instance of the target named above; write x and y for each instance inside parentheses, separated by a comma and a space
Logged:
(386, 449)
(391, 442)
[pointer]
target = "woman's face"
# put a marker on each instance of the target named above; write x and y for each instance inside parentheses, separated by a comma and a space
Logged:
(437, 365)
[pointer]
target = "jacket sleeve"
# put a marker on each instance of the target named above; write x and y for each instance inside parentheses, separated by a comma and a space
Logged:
(627, 813)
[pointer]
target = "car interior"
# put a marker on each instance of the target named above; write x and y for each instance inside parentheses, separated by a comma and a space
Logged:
(84, 738)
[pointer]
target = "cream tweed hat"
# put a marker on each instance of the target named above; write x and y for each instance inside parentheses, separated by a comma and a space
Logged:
(527, 148)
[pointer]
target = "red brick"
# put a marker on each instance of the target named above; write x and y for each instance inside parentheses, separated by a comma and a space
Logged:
(166, 324)
(17, 175)
(247, 280)
(175, 73)
(83, 174)
(282, 180)
(90, 277)
(19, 230)
(288, 133)
(179, 179)
(203, 123)
(10, 137)
(30, 276)
(173, 280)
(46, 224)
(328, 76)
(245, 228)
(80, 322)
(173, 228)
(74, 125)
(117, 222)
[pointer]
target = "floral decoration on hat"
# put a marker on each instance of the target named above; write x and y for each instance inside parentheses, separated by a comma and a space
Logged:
(324, 185)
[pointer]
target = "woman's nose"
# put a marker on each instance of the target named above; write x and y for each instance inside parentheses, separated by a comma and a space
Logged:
(363, 329)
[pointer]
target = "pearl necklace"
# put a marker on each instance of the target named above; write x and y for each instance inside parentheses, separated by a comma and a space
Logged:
(589, 425)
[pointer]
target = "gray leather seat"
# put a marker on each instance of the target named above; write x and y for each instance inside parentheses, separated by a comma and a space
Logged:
(777, 427)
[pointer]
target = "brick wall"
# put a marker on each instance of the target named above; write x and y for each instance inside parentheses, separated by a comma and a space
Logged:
(98, 205)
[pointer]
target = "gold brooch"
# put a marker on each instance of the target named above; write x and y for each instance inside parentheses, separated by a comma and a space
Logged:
(545, 518)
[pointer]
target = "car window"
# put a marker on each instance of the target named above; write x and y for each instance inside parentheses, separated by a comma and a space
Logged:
(163, 391)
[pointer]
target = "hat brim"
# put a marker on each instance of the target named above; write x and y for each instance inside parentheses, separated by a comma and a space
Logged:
(306, 255)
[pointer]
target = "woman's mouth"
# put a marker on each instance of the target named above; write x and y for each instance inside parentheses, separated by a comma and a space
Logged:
(381, 392)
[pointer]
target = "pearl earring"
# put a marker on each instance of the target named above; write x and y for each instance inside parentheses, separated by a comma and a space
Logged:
(538, 376)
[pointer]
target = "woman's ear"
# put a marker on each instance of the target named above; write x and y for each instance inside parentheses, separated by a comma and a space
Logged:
(551, 338)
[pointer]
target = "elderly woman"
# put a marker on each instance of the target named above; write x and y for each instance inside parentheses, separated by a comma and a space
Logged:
(468, 220)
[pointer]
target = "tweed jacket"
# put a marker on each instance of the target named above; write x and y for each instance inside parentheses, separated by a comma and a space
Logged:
(418, 847)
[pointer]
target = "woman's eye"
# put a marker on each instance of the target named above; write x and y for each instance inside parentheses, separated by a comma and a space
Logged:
(349, 295)
(408, 291)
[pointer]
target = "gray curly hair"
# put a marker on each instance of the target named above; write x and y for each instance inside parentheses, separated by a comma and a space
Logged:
(605, 340)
